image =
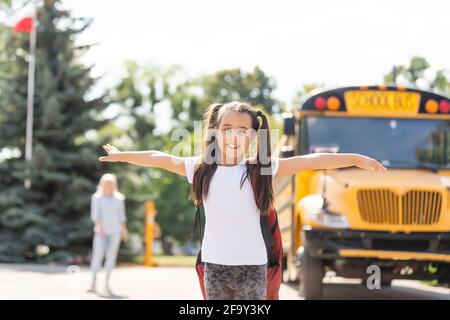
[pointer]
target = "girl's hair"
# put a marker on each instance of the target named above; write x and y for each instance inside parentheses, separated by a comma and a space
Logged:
(206, 168)
(109, 177)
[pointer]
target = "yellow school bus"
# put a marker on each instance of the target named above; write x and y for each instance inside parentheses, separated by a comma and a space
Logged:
(346, 220)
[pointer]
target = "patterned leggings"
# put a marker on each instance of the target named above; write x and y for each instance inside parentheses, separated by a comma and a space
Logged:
(246, 282)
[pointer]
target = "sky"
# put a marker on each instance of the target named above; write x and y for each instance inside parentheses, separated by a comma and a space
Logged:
(336, 43)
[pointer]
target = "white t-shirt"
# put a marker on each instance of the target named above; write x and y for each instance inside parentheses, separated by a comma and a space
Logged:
(232, 233)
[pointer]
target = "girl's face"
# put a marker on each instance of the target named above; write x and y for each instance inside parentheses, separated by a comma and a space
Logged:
(108, 187)
(234, 134)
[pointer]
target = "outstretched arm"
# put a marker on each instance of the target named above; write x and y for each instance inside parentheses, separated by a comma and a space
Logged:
(151, 158)
(316, 161)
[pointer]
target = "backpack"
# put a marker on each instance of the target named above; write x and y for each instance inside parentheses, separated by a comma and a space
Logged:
(272, 239)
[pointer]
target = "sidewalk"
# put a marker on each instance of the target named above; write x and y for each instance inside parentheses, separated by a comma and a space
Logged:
(52, 282)
(59, 282)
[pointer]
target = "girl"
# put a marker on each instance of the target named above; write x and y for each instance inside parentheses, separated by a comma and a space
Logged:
(233, 247)
(108, 215)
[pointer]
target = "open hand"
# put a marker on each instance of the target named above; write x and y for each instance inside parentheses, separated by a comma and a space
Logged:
(113, 154)
(367, 163)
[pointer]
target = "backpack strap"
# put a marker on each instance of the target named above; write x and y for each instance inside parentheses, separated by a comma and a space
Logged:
(275, 225)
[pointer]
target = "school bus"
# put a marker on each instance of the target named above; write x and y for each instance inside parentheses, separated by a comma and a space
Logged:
(347, 220)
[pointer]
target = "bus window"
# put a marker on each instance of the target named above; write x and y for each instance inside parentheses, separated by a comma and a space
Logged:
(396, 142)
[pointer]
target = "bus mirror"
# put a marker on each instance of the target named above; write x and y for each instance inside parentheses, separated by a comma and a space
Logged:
(288, 124)
(286, 152)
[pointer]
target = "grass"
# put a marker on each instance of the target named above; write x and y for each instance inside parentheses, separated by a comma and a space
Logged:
(164, 261)
(175, 261)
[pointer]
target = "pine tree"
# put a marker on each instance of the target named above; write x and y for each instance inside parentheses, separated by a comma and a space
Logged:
(54, 212)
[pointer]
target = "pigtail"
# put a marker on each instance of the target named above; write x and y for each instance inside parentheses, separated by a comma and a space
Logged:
(264, 194)
(205, 170)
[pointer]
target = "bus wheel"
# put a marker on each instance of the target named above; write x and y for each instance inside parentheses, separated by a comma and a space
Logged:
(310, 276)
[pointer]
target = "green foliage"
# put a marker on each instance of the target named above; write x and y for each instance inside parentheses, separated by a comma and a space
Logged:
(5, 5)
(416, 73)
(227, 85)
(65, 170)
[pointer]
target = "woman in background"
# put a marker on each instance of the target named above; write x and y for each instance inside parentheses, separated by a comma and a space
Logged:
(108, 215)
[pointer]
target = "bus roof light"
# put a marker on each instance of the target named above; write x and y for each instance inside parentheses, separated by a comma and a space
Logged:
(431, 106)
(333, 103)
(444, 106)
(320, 103)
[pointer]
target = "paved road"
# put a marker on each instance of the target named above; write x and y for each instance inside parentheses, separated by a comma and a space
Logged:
(137, 282)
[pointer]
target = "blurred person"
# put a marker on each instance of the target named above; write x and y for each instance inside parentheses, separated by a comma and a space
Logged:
(109, 218)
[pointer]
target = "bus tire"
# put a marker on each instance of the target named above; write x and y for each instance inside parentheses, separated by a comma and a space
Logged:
(310, 274)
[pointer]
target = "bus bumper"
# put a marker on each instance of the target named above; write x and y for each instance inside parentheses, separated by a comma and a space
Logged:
(331, 244)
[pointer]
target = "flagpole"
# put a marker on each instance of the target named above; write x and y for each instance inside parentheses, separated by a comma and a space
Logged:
(30, 103)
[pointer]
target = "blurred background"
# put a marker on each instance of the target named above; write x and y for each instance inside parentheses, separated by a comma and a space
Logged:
(128, 73)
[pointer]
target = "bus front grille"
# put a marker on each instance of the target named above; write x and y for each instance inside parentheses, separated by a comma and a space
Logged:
(415, 207)
(421, 207)
(378, 206)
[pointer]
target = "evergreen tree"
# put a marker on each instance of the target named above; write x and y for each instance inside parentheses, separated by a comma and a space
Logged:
(54, 212)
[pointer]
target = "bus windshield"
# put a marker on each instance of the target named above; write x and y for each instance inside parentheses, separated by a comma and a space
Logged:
(399, 143)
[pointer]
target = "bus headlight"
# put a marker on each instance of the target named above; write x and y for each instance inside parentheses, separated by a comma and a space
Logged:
(328, 219)
(313, 207)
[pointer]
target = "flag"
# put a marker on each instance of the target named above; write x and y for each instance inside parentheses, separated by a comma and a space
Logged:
(24, 25)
